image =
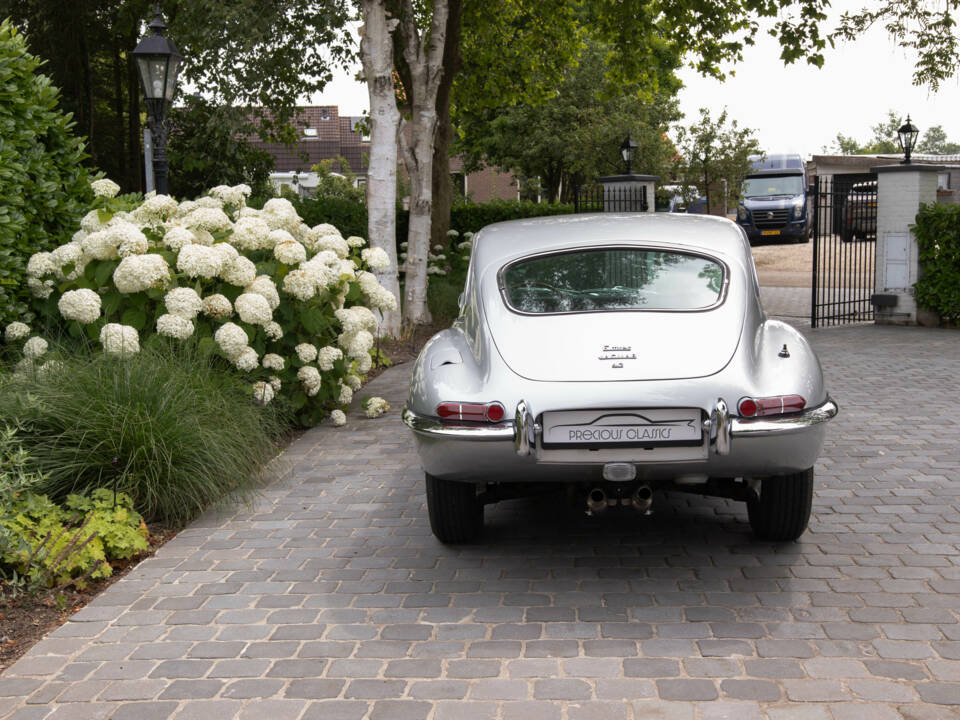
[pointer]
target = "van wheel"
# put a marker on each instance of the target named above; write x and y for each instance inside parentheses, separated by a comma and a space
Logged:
(781, 511)
(456, 513)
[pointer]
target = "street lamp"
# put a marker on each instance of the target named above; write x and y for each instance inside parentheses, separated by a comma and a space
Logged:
(158, 63)
(626, 152)
(907, 135)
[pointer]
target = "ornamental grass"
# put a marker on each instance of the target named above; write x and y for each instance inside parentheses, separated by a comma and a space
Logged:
(165, 426)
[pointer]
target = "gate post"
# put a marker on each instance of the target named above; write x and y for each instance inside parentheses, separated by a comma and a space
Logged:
(900, 191)
(628, 193)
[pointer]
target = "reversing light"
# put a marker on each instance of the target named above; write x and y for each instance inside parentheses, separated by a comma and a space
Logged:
(779, 405)
(473, 412)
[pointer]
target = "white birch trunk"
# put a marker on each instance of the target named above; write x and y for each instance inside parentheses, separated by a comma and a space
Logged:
(376, 53)
(423, 53)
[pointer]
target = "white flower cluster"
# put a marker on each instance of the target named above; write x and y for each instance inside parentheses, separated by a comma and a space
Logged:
(81, 305)
(217, 307)
(253, 309)
(105, 188)
(338, 418)
(310, 377)
(34, 348)
(262, 392)
(184, 302)
(16, 331)
(137, 273)
(306, 352)
(327, 356)
(174, 326)
(199, 261)
(355, 241)
(376, 258)
(119, 339)
(376, 294)
(272, 361)
(236, 195)
(376, 406)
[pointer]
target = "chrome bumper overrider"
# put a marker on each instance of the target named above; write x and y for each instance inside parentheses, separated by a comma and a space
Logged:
(523, 430)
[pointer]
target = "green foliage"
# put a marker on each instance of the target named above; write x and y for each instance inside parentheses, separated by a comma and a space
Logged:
(42, 182)
(471, 216)
(711, 153)
(349, 216)
(938, 238)
(167, 427)
(575, 136)
(208, 147)
(337, 185)
(934, 142)
(884, 139)
(43, 544)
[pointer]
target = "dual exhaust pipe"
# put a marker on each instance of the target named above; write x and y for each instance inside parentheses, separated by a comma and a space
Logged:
(598, 500)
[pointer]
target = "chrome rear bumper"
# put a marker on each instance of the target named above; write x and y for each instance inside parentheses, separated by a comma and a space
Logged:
(721, 425)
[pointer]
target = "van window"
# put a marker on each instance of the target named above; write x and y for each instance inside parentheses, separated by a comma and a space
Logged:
(764, 185)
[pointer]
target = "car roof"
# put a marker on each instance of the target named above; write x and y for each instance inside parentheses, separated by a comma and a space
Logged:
(504, 241)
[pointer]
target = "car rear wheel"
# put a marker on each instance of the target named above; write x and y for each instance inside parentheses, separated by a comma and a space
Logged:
(781, 509)
(456, 513)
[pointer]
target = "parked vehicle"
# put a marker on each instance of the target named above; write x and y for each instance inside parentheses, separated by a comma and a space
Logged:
(619, 353)
(775, 204)
(860, 212)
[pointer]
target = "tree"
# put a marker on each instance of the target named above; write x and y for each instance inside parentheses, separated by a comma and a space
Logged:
(574, 136)
(427, 41)
(934, 142)
(245, 53)
(711, 153)
(928, 29)
(208, 147)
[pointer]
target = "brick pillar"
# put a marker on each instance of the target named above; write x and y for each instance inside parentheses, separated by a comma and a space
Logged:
(900, 191)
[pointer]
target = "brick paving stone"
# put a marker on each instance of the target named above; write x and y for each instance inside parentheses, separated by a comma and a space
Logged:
(684, 689)
(143, 711)
(333, 577)
(218, 709)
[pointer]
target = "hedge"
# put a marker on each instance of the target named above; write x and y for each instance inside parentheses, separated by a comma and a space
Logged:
(938, 239)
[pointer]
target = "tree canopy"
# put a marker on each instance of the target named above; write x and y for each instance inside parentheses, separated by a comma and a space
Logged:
(884, 141)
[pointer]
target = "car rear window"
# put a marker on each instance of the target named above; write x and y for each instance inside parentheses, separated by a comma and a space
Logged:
(612, 279)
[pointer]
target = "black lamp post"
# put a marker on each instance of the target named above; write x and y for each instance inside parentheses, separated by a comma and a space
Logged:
(626, 152)
(158, 63)
(907, 135)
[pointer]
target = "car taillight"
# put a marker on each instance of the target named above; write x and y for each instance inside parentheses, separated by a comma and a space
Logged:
(475, 412)
(779, 405)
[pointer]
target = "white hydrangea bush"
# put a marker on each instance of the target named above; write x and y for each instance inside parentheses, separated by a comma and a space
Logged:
(293, 309)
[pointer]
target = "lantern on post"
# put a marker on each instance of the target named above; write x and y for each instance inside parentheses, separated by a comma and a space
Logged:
(626, 152)
(907, 135)
(158, 64)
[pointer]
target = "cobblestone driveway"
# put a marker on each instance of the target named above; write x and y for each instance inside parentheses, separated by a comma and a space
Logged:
(330, 599)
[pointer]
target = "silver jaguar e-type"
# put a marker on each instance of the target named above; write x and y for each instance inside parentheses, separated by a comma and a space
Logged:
(623, 353)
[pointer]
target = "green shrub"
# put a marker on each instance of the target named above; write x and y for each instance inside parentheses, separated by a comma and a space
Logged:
(471, 216)
(938, 238)
(349, 216)
(43, 182)
(165, 426)
(286, 304)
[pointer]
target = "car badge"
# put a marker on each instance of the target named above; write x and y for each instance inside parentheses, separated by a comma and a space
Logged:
(617, 353)
(769, 216)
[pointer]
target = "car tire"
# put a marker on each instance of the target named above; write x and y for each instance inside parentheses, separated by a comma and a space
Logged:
(781, 510)
(456, 513)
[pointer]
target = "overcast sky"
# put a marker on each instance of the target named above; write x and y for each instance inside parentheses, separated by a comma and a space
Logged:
(797, 108)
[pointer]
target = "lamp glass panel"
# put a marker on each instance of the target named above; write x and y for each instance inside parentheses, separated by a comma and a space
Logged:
(171, 79)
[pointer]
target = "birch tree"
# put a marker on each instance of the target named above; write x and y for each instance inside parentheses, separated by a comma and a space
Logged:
(386, 123)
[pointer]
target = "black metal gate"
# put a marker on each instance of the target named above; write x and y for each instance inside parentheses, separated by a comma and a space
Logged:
(597, 198)
(844, 249)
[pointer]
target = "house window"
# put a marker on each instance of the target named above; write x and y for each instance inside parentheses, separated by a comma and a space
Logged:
(310, 132)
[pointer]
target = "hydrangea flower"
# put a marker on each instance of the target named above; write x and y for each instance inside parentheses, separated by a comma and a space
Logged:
(231, 338)
(356, 344)
(40, 288)
(356, 241)
(352, 381)
(334, 243)
(280, 213)
(250, 233)
(137, 273)
(104, 188)
(453, 233)
(327, 356)
(236, 195)
(155, 209)
(275, 383)
(345, 396)
(82, 305)
(375, 293)
(228, 252)
(338, 418)
(41, 264)
(375, 407)
(357, 318)
(174, 326)
(211, 219)
(64, 255)
(273, 330)
(247, 360)
(199, 261)
(306, 352)
(119, 339)
(240, 271)
(289, 252)
(325, 229)
(183, 301)
(216, 306)
(262, 392)
(300, 283)
(263, 285)
(16, 331)
(34, 348)
(253, 309)
(272, 361)
(176, 237)
(376, 258)
(310, 377)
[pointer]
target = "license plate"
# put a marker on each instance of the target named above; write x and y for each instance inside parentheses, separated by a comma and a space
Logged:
(769, 232)
(622, 428)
